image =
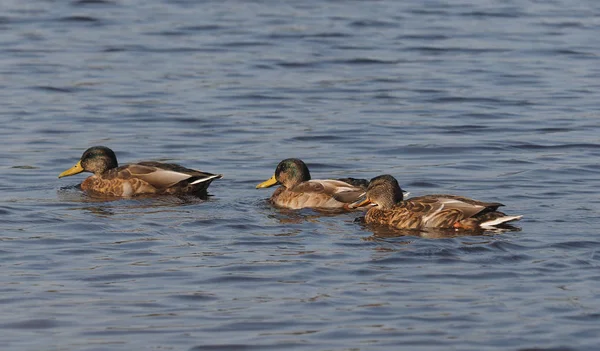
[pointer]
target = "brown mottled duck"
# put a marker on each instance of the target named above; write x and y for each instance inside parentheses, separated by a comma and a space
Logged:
(136, 178)
(298, 190)
(430, 211)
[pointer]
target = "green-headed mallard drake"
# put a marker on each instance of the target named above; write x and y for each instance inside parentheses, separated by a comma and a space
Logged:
(137, 178)
(297, 190)
(429, 211)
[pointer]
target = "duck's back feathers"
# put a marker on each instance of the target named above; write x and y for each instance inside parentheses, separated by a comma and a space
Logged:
(439, 211)
(434, 204)
(317, 193)
(169, 174)
(149, 178)
(160, 176)
(359, 183)
(327, 186)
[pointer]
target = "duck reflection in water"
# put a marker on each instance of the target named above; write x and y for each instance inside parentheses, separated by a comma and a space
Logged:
(106, 205)
(381, 231)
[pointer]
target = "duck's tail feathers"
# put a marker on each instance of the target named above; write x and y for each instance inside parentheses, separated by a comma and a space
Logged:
(500, 220)
(207, 179)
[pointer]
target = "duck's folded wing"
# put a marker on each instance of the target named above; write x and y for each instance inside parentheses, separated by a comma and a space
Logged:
(194, 176)
(436, 208)
(337, 189)
(423, 212)
(310, 186)
(156, 174)
(349, 196)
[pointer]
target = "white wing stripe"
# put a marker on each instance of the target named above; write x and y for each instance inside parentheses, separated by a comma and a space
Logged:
(205, 179)
(427, 218)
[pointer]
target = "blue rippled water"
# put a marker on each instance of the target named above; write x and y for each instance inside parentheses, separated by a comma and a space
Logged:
(495, 100)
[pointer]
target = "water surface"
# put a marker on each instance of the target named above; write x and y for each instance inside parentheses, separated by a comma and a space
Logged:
(494, 100)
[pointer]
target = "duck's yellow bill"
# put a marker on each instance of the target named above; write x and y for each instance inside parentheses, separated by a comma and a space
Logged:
(360, 203)
(267, 183)
(73, 170)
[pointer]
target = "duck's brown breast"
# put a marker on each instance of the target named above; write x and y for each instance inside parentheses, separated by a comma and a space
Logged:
(117, 187)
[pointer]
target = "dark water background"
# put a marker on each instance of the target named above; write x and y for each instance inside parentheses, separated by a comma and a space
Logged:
(496, 100)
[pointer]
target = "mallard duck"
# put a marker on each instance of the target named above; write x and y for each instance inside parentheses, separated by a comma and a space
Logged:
(137, 178)
(429, 211)
(297, 190)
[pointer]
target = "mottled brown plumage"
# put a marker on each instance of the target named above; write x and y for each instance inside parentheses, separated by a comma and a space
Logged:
(136, 178)
(297, 190)
(430, 211)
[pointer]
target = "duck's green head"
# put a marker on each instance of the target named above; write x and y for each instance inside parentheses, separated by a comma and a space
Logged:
(97, 160)
(288, 173)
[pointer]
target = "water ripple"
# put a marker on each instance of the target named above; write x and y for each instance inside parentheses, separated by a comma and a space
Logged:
(481, 99)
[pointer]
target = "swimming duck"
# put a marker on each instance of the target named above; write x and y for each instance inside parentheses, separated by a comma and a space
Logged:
(137, 178)
(298, 190)
(429, 211)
